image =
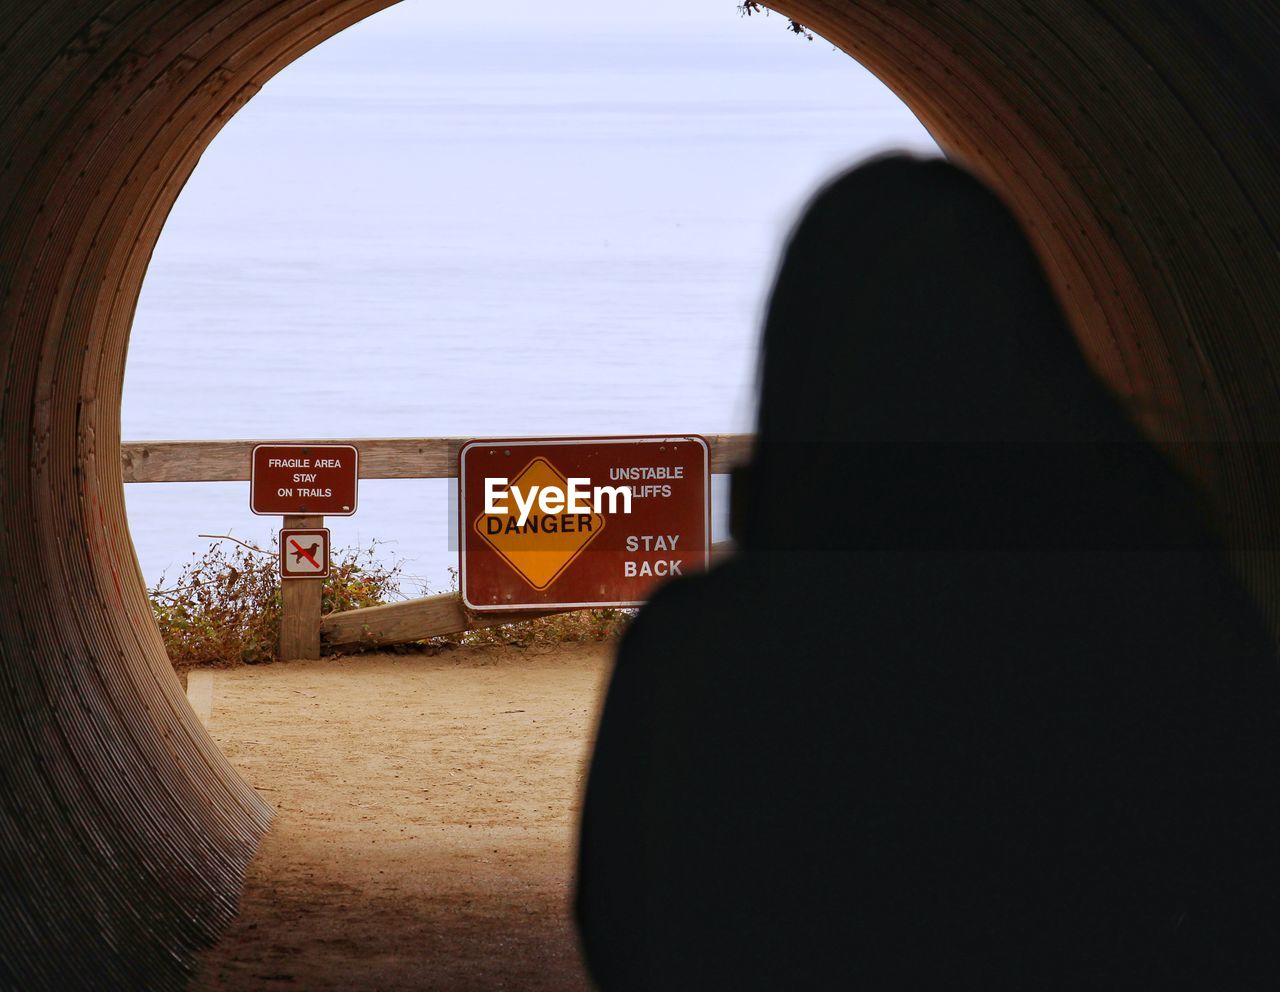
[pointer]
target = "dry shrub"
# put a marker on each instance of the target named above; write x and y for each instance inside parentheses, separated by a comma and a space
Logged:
(224, 608)
(559, 628)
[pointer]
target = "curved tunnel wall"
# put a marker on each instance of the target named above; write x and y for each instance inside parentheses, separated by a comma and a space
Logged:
(1136, 140)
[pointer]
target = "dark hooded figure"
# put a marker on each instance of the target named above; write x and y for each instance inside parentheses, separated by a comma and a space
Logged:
(977, 703)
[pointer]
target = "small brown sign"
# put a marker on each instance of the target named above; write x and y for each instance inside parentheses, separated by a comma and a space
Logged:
(580, 521)
(304, 479)
(304, 554)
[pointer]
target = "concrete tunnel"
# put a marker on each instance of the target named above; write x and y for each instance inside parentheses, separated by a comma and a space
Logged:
(1136, 138)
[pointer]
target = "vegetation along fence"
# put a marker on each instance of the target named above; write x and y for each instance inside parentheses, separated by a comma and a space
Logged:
(302, 627)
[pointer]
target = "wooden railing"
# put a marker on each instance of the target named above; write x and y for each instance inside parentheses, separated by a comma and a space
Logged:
(380, 457)
(302, 626)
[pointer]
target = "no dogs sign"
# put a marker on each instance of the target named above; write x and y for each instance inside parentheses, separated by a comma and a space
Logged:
(304, 554)
(563, 522)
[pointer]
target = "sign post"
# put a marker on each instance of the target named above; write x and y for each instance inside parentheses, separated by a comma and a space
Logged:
(578, 522)
(302, 483)
(300, 603)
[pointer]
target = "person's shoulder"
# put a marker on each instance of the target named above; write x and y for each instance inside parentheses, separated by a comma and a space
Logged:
(725, 582)
(690, 605)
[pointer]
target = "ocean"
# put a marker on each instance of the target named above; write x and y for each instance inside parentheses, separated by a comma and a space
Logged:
(548, 227)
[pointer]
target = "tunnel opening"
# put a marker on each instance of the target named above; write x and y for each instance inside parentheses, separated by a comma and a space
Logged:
(1132, 139)
(622, 300)
(603, 274)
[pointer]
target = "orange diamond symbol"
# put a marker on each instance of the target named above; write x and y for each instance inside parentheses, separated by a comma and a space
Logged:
(547, 543)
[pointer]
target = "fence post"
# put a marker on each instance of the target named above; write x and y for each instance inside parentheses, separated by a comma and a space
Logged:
(300, 607)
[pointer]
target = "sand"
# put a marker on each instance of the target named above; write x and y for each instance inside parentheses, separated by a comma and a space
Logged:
(426, 814)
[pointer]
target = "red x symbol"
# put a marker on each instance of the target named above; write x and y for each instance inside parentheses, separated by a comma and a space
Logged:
(306, 553)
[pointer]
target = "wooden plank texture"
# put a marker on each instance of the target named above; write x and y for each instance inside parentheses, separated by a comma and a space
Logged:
(412, 620)
(300, 608)
(380, 458)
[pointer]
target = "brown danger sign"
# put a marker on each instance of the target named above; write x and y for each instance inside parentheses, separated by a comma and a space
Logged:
(311, 479)
(564, 522)
(304, 554)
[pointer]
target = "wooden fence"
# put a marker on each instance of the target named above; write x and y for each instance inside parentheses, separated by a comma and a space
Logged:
(302, 627)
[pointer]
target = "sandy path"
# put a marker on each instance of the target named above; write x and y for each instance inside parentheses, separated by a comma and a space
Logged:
(426, 812)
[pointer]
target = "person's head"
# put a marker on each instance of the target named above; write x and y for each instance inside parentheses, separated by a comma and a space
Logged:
(921, 388)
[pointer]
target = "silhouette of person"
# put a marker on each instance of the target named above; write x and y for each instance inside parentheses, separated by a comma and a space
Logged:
(977, 703)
